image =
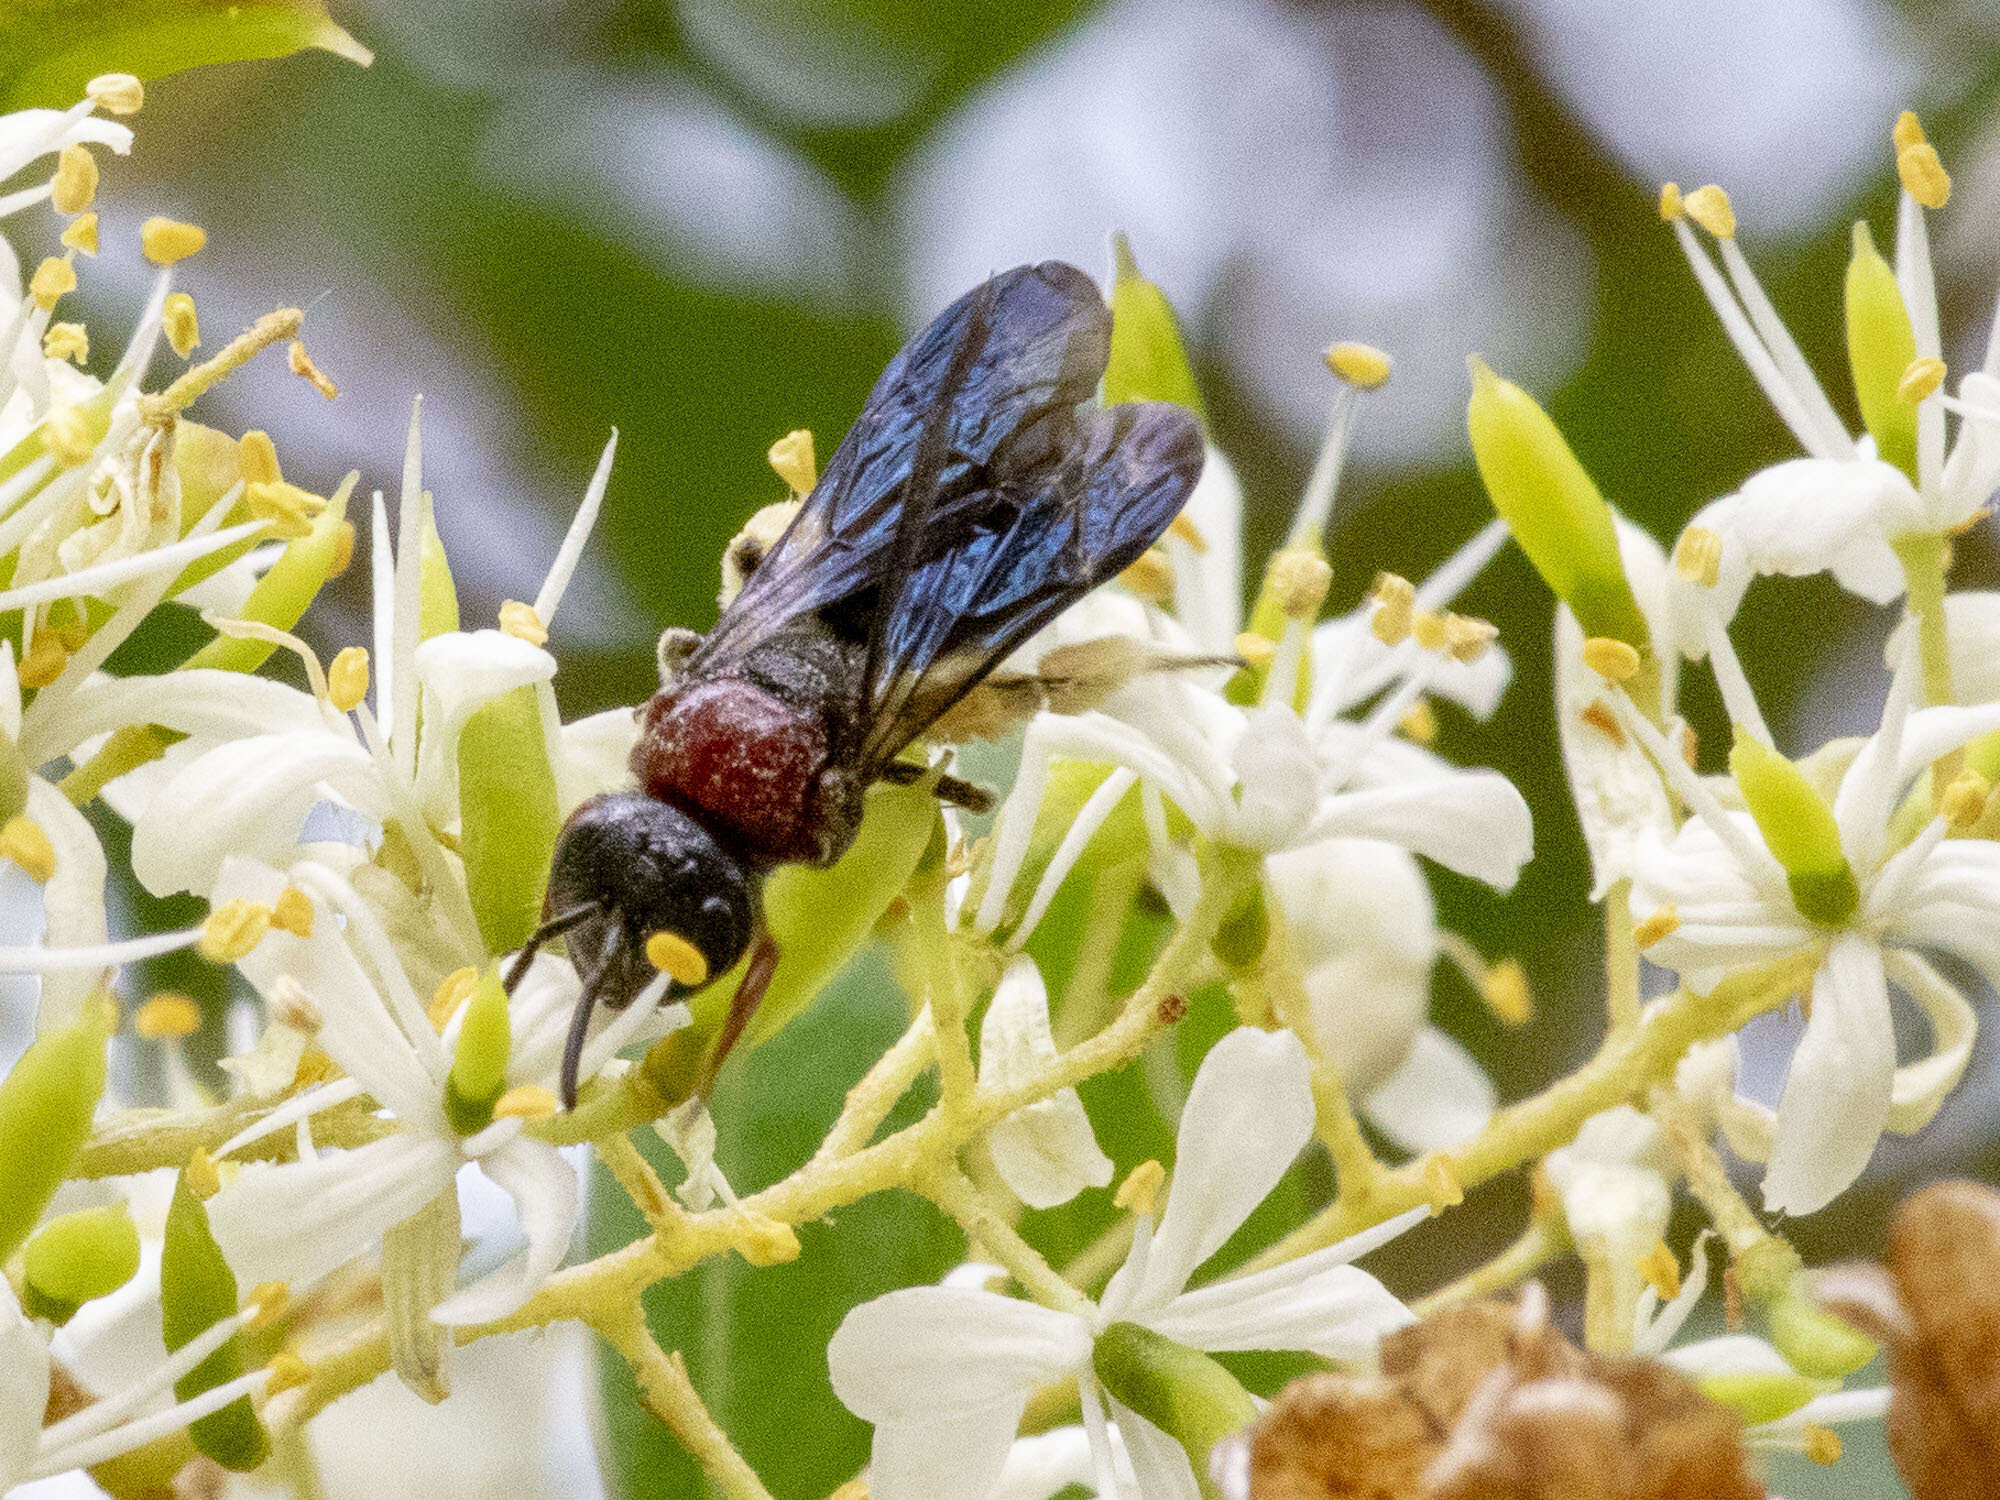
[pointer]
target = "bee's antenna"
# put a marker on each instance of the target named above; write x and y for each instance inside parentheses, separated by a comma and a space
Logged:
(555, 927)
(586, 1004)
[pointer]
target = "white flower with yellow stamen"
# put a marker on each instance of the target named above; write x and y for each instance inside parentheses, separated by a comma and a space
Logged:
(1046, 1152)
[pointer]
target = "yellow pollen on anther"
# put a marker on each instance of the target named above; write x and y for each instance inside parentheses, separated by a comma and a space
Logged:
(69, 341)
(303, 367)
(1442, 1185)
(1257, 651)
(1672, 205)
(168, 1015)
(166, 241)
(1710, 208)
(202, 1178)
(1923, 174)
(44, 662)
(1419, 724)
(1504, 988)
(1395, 609)
(854, 1489)
(674, 955)
(234, 929)
(793, 457)
(288, 509)
(452, 992)
(293, 912)
(1150, 576)
(1467, 637)
(1611, 658)
(1964, 800)
(520, 621)
(527, 1101)
(116, 93)
(1822, 1444)
(1908, 131)
(343, 550)
(1362, 366)
(1661, 924)
(178, 319)
(1661, 1270)
(1298, 581)
(1690, 745)
(75, 182)
(272, 1299)
(1432, 631)
(1184, 528)
(288, 1373)
(1920, 379)
(66, 435)
(23, 841)
(1698, 556)
(54, 279)
(1598, 716)
(257, 458)
(347, 678)
(81, 234)
(1139, 1193)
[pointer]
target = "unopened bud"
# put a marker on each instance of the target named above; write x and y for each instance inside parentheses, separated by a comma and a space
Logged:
(78, 1258)
(479, 1064)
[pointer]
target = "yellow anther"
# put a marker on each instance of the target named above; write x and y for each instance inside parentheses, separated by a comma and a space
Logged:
(116, 93)
(1257, 651)
(1298, 581)
(1362, 366)
(75, 182)
(1710, 208)
(203, 1180)
(166, 241)
(347, 678)
(1504, 988)
(1923, 376)
(1690, 745)
(452, 991)
(288, 509)
(293, 912)
(1672, 205)
(1923, 174)
(288, 1372)
(23, 841)
(1139, 1193)
(272, 1299)
(306, 370)
(54, 279)
(792, 456)
(66, 436)
(69, 341)
(1467, 638)
(1661, 924)
(1419, 723)
(81, 234)
(1964, 800)
(527, 1101)
(1395, 609)
(1151, 576)
(520, 621)
(44, 662)
(1908, 131)
(1432, 631)
(234, 929)
(1598, 716)
(674, 955)
(343, 550)
(1661, 1270)
(1180, 526)
(257, 458)
(1822, 1444)
(177, 318)
(1442, 1185)
(854, 1489)
(1698, 556)
(167, 1015)
(1611, 658)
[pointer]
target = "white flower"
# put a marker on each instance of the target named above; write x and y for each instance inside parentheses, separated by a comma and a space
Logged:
(1046, 1152)
(1614, 1179)
(1736, 911)
(945, 1373)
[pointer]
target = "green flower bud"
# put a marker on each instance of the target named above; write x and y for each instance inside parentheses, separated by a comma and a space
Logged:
(1815, 1341)
(77, 1258)
(479, 1066)
(282, 594)
(1798, 828)
(1880, 346)
(1181, 1391)
(1761, 1398)
(437, 596)
(1552, 506)
(1148, 360)
(46, 1104)
(197, 1289)
(509, 817)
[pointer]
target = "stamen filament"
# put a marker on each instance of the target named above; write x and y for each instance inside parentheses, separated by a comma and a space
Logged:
(1736, 694)
(1075, 840)
(1785, 352)
(571, 551)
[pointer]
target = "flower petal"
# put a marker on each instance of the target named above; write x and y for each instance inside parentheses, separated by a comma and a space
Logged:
(1042, 1466)
(1208, 581)
(205, 701)
(1920, 1087)
(73, 914)
(955, 1457)
(1838, 1090)
(1158, 1462)
(24, 1389)
(936, 1354)
(548, 1200)
(1439, 1097)
(1336, 1311)
(1473, 822)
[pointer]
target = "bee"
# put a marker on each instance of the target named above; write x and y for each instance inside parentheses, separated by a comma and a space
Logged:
(981, 491)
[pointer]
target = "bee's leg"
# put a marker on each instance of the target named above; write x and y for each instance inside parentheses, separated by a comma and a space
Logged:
(952, 789)
(749, 995)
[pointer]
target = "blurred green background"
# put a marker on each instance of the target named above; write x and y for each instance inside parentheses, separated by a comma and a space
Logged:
(708, 223)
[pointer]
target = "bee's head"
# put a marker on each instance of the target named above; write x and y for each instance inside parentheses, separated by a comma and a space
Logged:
(627, 868)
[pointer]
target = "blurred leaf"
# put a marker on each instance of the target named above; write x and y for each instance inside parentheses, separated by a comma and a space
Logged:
(49, 49)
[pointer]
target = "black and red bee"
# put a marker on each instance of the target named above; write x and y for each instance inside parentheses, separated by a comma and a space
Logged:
(979, 494)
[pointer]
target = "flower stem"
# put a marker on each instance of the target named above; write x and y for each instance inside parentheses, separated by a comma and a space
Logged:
(870, 1101)
(1926, 561)
(663, 1381)
(1539, 1244)
(951, 1190)
(1621, 958)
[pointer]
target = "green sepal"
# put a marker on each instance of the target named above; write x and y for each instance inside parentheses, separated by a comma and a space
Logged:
(1181, 1391)
(280, 597)
(197, 1290)
(1761, 1398)
(437, 596)
(479, 1064)
(1814, 1341)
(1880, 346)
(1799, 829)
(46, 1104)
(509, 816)
(78, 1258)
(1148, 359)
